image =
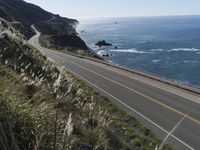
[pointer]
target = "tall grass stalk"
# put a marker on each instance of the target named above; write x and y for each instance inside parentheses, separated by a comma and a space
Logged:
(171, 132)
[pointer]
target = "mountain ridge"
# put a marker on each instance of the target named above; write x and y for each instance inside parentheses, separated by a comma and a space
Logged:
(61, 31)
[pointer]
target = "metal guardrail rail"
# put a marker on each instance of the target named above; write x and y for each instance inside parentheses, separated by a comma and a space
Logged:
(147, 75)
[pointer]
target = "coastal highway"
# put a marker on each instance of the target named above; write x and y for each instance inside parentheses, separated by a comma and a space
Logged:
(157, 105)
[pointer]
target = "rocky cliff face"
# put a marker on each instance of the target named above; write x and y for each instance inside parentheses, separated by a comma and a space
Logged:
(22, 15)
(23, 12)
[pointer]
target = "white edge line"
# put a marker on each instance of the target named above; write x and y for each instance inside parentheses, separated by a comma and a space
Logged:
(123, 74)
(132, 109)
(155, 86)
(40, 47)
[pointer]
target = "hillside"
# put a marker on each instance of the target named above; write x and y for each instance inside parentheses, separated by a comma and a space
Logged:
(58, 32)
(23, 12)
(43, 106)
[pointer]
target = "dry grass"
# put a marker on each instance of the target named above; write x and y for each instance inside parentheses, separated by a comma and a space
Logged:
(44, 107)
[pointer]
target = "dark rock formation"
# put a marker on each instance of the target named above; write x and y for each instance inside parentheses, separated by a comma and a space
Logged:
(102, 43)
(60, 30)
(23, 12)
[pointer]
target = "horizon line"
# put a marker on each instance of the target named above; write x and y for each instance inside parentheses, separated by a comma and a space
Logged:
(104, 17)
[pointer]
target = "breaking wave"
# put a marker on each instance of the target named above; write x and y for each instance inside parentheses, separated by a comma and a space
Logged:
(176, 50)
(157, 50)
(133, 50)
(156, 61)
(184, 49)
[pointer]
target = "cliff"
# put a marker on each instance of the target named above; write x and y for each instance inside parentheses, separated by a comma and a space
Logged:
(60, 30)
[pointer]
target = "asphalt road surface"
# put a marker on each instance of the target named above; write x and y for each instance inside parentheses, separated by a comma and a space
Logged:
(157, 105)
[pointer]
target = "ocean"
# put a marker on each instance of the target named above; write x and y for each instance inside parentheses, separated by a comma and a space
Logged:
(168, 46)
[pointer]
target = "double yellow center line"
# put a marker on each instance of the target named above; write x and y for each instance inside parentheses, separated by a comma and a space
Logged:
(139, 93)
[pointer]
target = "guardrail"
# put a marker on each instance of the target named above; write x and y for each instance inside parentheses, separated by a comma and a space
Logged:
(147, 75)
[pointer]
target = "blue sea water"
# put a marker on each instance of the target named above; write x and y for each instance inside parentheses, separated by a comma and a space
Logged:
(165, 46)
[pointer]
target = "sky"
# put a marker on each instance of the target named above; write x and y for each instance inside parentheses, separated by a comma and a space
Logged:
(119, 8)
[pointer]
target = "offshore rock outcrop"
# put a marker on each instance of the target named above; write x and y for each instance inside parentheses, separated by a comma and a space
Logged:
(103, 43)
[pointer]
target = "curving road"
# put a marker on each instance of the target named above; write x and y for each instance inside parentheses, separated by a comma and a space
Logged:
(159, 106)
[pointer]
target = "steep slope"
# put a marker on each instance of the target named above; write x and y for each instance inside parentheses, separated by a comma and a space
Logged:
(23, 12)
(60, 32)
(42, 106)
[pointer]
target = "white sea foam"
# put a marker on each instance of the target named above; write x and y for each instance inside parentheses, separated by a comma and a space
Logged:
(184, 49)
(95, 48)
(133, 50)
(177, 50)
(104, 53)
(157, 50)
(156, 60)
(110, 61)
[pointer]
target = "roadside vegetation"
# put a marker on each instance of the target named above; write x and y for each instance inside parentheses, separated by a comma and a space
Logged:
(44, 107)
(59, 43)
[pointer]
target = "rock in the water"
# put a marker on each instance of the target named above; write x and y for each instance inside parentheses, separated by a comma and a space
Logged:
(102, 43)
(103, 54)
